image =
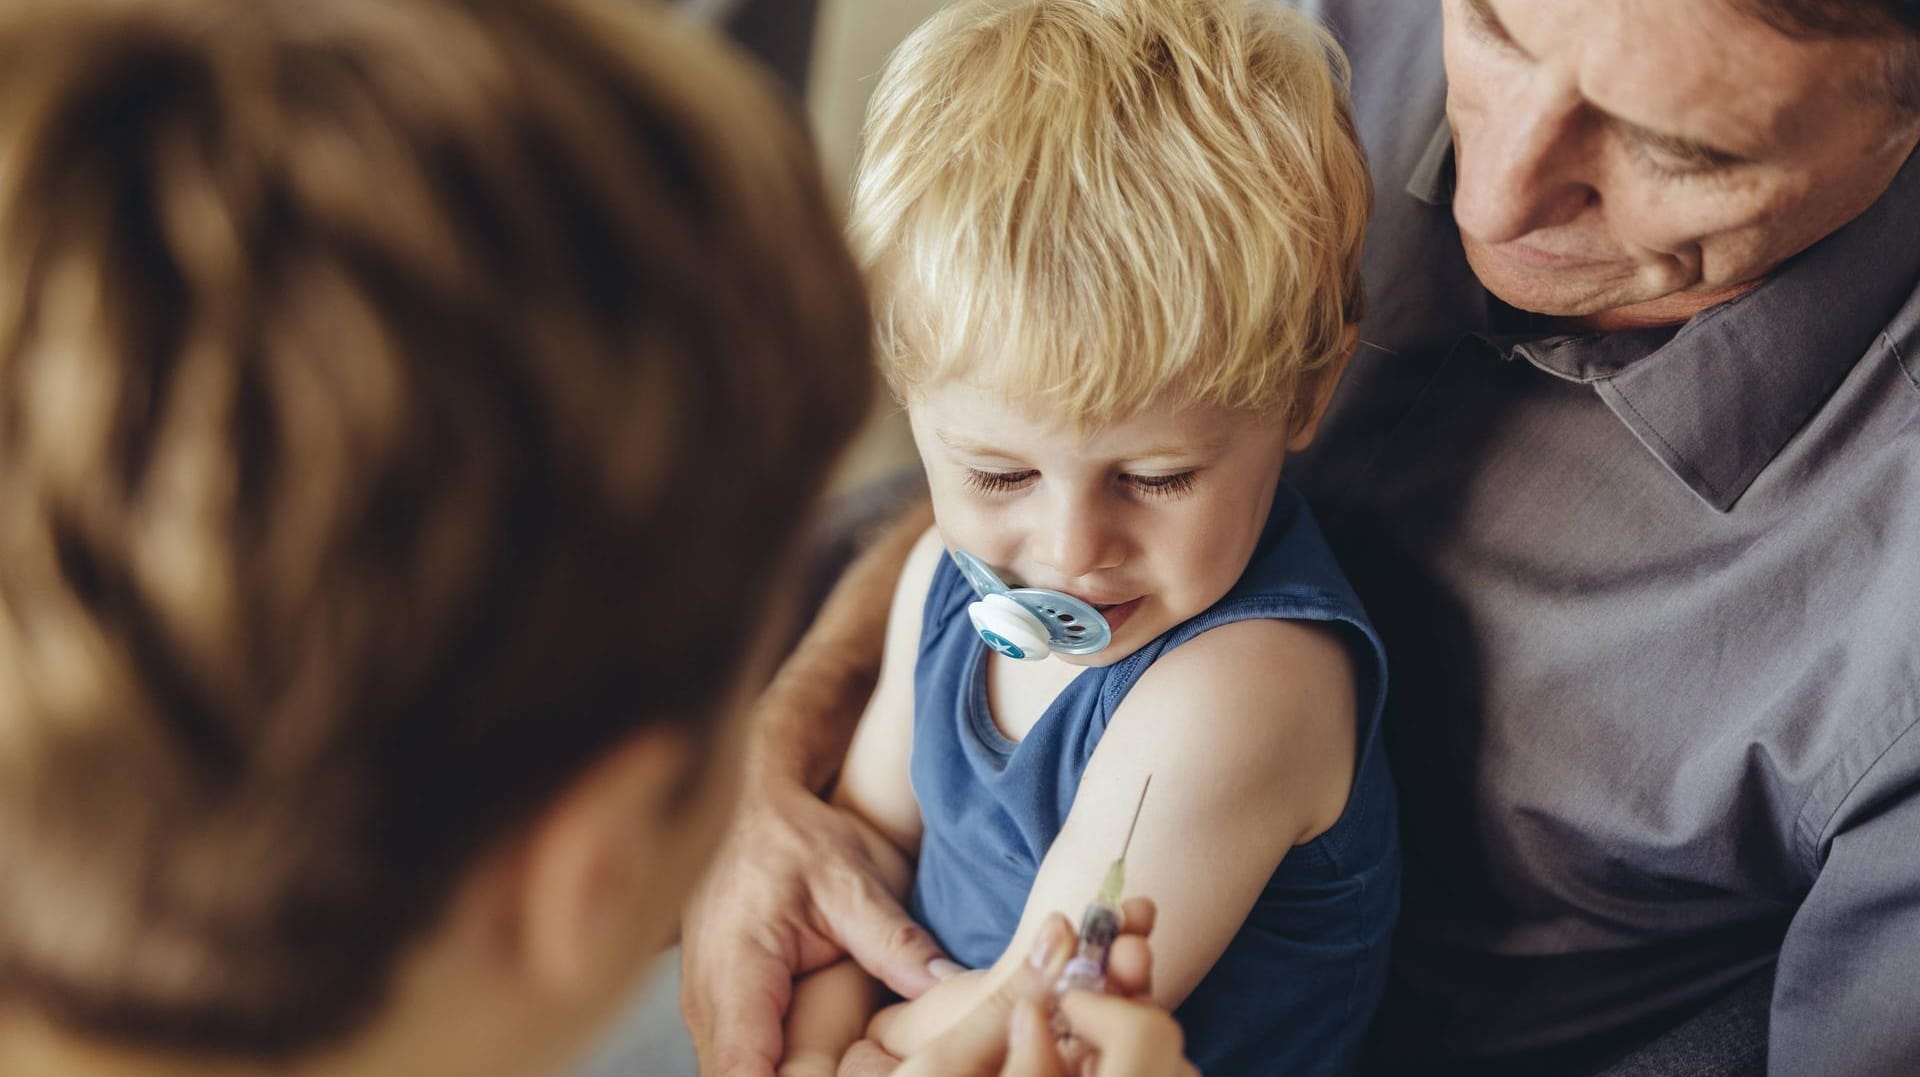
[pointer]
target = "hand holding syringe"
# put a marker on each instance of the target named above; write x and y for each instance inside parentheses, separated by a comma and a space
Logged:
(1119, 1030)
(1127, 1017)
(1100, 923)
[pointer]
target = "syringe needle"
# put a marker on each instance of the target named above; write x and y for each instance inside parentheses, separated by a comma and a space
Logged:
(1101, 921)
(1141, 803)
(1116, 879)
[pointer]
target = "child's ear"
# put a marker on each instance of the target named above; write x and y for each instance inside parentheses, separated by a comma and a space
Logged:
(1308, 424)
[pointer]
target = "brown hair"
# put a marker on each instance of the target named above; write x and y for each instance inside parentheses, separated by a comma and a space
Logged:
(401, 402)
(1896, 20)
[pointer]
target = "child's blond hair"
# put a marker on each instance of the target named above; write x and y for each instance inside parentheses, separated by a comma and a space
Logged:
(1096, 204)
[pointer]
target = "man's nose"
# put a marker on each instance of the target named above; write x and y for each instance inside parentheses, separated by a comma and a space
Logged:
(1076, 538)
(1524, 168)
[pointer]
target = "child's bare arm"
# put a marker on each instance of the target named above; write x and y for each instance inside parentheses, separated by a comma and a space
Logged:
(1248, 731)
(907, 1026)
(874, 783)
(829, 1012)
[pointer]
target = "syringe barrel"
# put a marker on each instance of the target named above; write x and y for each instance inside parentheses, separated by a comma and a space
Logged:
(1088, 970)
(1081, 974)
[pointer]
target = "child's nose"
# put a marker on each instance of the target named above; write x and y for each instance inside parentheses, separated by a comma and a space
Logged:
(1076, 542)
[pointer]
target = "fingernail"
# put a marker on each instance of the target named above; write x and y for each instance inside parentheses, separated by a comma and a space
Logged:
(942, 969)
(1044, 949)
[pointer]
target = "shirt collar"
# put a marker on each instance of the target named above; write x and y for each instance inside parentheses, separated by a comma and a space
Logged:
(1432, 179)
(1718, 399)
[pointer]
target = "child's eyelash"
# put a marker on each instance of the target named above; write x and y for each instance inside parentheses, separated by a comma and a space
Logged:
(1000, 482)
(996, 482)
(1162, 485)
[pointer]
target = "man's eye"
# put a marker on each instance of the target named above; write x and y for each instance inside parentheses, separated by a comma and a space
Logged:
(997, 482)
(1486, 28)
(1667, 163)
(1656, 164)
(1161, 485)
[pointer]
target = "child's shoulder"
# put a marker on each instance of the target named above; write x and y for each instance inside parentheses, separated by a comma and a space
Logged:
(908, 612)
(1256, 664)
(1263, 700)
(924, 559)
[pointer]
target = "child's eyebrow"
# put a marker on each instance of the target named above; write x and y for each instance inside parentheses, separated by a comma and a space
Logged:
(967, 446)
(1205, 447)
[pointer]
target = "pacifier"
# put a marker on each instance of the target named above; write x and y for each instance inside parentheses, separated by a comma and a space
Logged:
(1029, 623)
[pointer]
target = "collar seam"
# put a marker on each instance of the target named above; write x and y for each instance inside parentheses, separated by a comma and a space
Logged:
(1584, 379)
(1693, 476)
(1900, 360)
(1524, 351)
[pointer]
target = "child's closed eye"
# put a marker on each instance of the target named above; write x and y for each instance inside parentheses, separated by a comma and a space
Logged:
(1161, 485)
(998, 482)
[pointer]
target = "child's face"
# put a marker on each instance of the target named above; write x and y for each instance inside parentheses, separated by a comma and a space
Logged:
(1151, 518)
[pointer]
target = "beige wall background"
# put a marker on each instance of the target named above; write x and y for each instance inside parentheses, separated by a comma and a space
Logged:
(851, 44)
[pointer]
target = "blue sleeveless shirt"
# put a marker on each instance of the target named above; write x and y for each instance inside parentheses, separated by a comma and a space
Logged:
(1297, 985)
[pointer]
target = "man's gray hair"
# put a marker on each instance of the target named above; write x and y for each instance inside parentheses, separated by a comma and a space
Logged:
(1894, 19)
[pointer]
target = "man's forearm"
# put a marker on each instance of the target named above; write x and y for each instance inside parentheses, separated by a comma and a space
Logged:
(809, 712)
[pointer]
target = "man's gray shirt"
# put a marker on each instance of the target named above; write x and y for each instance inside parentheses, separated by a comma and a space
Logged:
(1652, 602)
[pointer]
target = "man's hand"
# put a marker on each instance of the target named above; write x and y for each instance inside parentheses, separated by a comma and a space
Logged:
(798, 884)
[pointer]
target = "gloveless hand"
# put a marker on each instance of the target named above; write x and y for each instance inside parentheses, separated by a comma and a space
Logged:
(797, 885)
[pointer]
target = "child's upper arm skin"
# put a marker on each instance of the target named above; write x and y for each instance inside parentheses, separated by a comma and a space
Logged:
(874, 782)
(1248, 731)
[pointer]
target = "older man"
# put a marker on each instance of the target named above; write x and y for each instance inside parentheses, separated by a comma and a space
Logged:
(1628, 479)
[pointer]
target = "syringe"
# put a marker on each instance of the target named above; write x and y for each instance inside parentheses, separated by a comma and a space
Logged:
(1100, 924)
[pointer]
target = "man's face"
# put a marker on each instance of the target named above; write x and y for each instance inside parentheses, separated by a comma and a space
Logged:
(1152, 518)
(1650, 156)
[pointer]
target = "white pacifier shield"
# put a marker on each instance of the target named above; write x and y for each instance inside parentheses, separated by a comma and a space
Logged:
(1009, 628)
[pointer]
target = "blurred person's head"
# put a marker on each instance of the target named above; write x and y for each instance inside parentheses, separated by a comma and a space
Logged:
(405, 406)
(1641, 161)
(1115, 253)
